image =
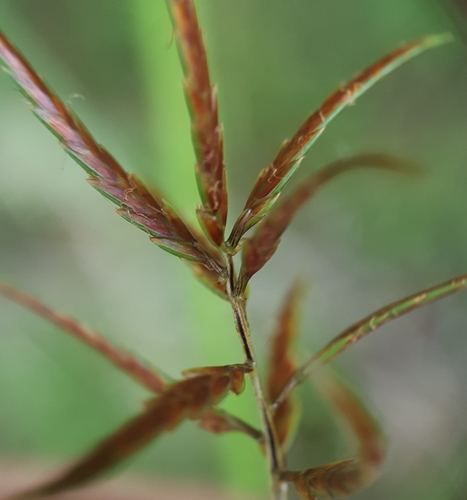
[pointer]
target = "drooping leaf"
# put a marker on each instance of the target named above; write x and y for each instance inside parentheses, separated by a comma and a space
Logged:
(358, 330)
(343, 478)
(282, 365)
(123, 360)
(273, 178)
(185, 399)
(206, 130)
(136, 204)
(258, 249)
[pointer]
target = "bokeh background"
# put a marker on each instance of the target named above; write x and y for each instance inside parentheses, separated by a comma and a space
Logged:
(366, 240)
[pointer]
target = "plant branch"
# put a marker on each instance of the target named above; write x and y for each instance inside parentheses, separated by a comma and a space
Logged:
(213, 420)
(367, 325)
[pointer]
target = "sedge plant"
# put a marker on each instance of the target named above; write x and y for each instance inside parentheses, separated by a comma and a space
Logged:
(211, 252)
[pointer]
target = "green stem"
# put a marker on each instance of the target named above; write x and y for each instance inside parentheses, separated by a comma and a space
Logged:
(272, 445)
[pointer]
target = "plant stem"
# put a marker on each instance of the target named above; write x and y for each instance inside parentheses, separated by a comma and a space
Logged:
(272, 446)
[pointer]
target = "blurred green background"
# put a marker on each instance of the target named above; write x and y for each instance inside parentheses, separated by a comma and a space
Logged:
(366, 240)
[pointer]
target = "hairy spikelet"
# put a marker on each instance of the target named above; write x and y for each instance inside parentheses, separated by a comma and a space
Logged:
(282, 364)
(273, 178)
(258, 249)
(187, 398)
(136, 204)
(342, 479)
(206, 130)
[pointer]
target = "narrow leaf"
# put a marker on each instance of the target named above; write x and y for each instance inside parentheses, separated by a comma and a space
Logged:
(258, 249)
(282, 364)
(343, 478)
(123, 360)
(136, 203)
(367, 325)
(274, 177)
(206, 130)
(184, 399)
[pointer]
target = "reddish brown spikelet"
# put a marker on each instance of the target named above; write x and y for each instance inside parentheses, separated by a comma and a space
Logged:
(136, 203)
(282, 362)
(218, 422)
(235, 373)
(206, 130)
(343, 478)
(258, 249)
(180, 400)
(273, 178)
(123, 360)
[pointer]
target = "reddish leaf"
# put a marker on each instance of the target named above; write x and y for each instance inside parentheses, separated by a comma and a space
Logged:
(367, 325)
(136, 203)
(258, 249)
(206, 130)
(274, 177)
(282, 364)
(184, 399)
(343, 478)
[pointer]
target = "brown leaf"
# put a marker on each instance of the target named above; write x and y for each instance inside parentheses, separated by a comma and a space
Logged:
(136, 203)
(282, 364)
(343, 478)
(273, 178)
(258, 249)
(206, 130)
(187, 398)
